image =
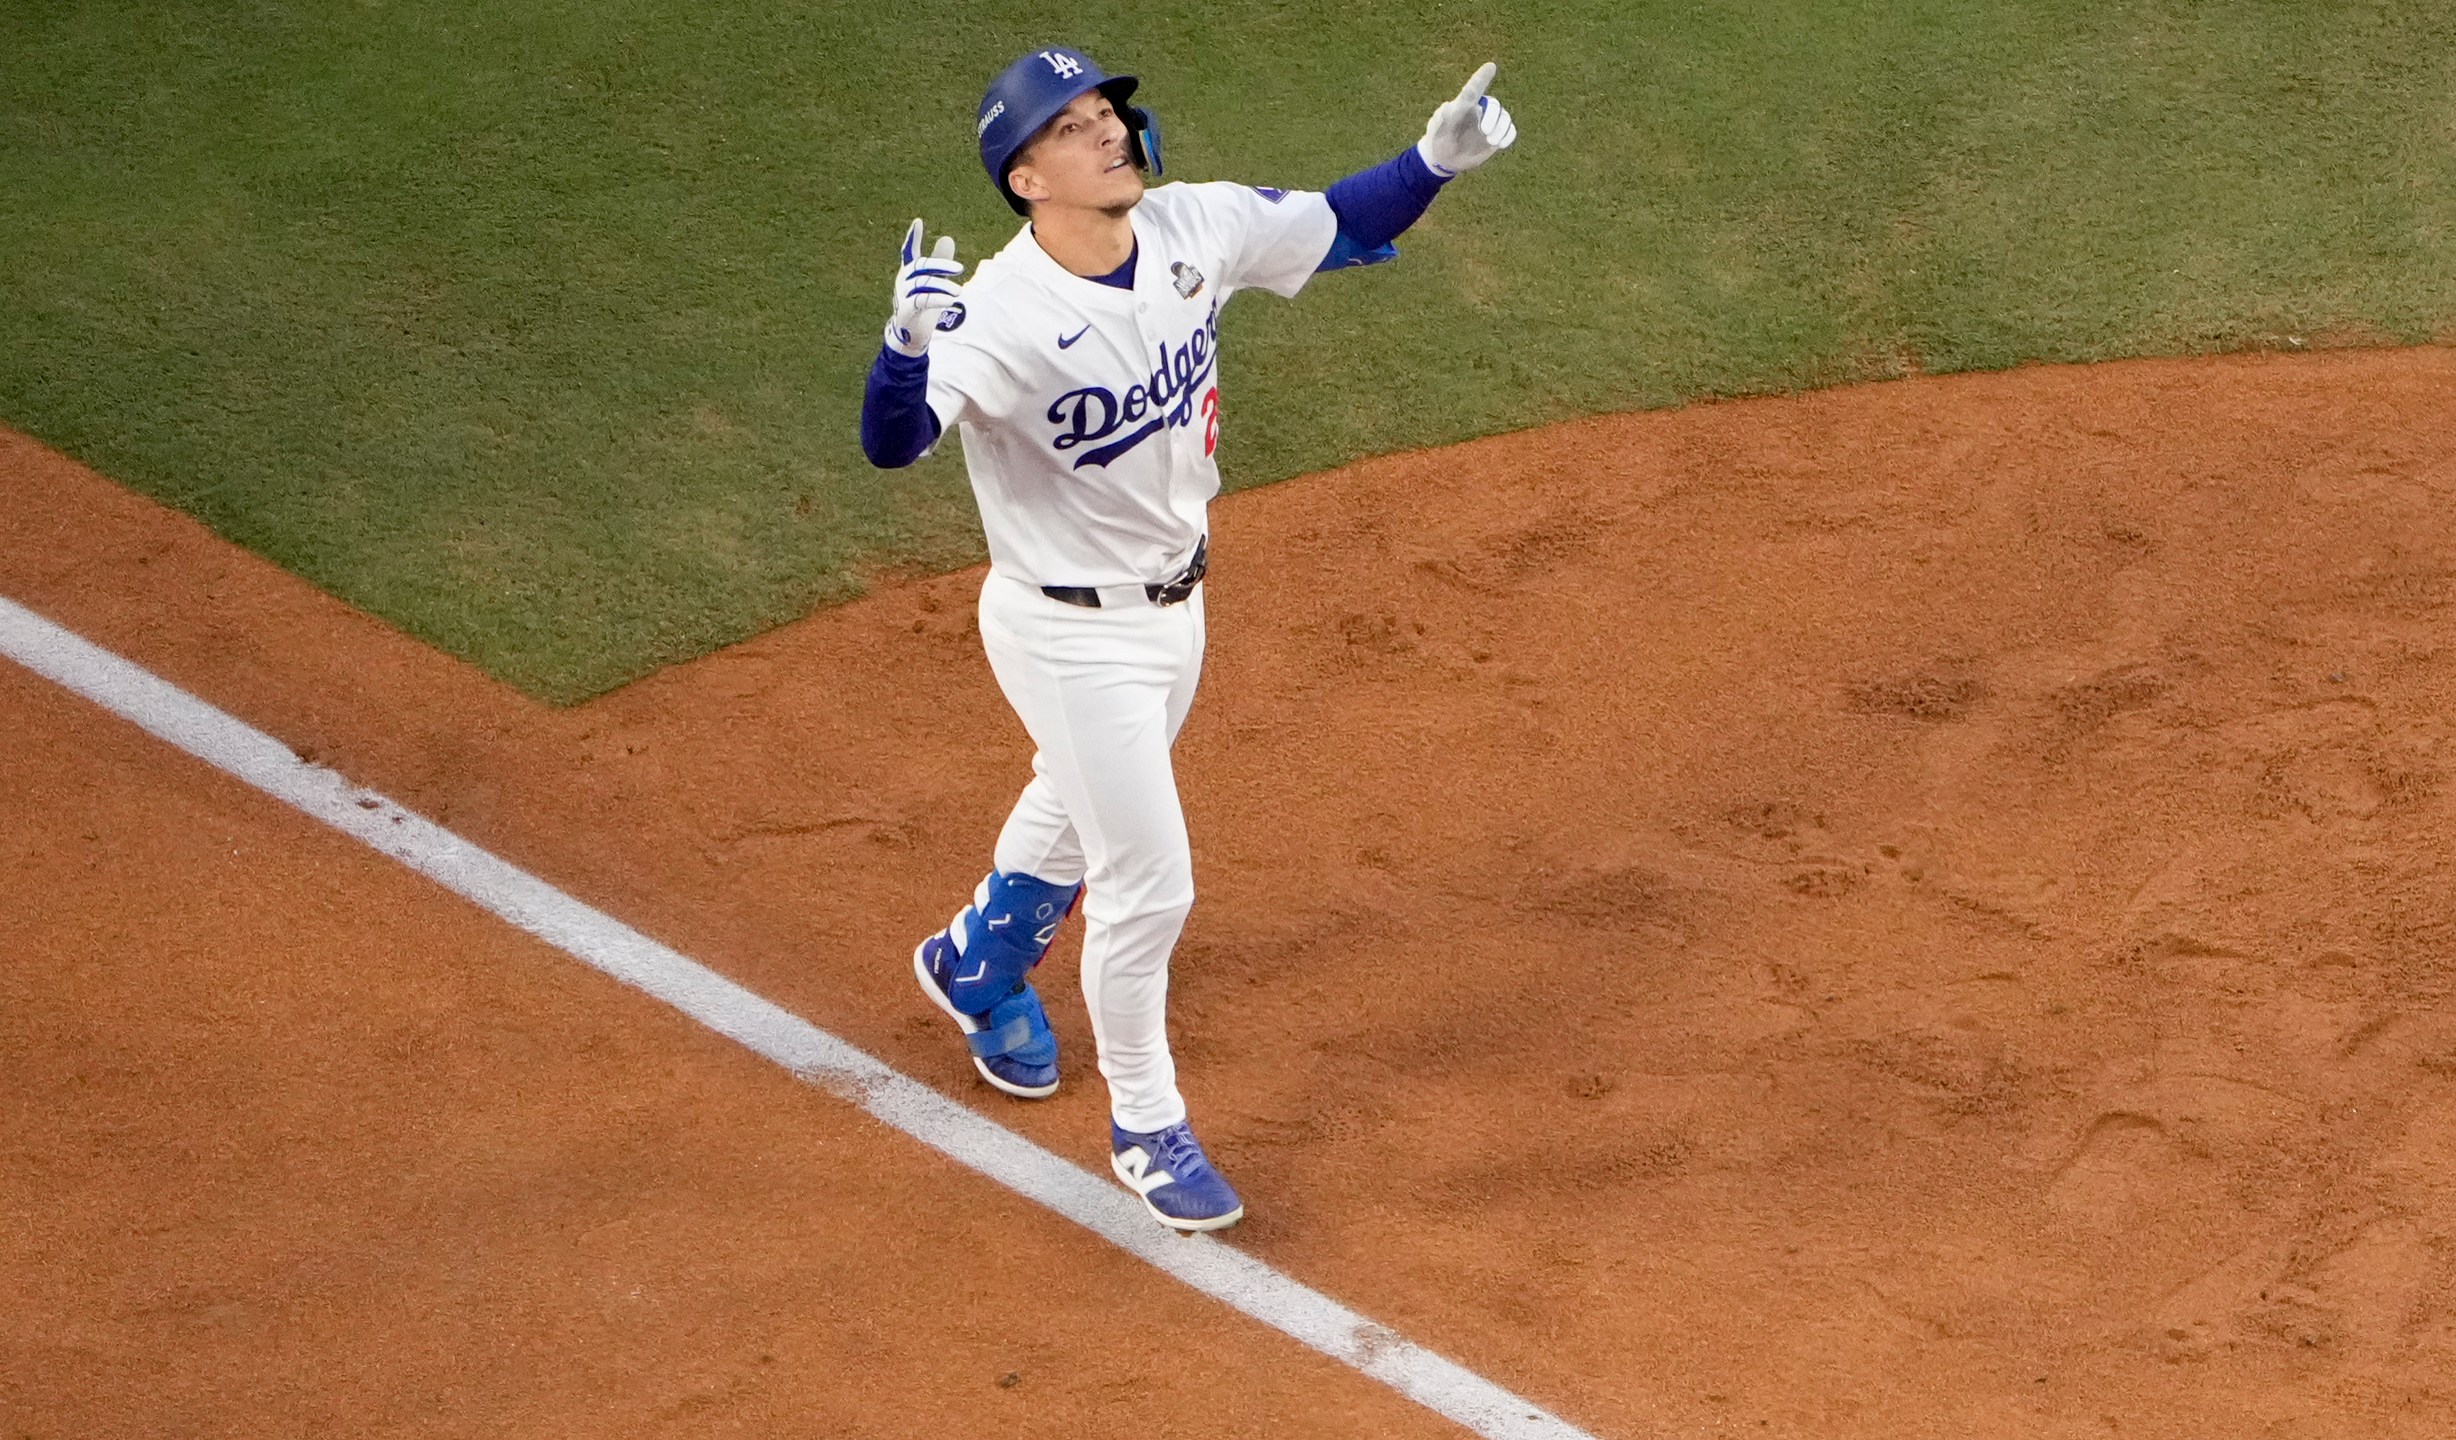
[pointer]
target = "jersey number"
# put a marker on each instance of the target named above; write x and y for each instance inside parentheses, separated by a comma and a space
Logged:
(1210, 420)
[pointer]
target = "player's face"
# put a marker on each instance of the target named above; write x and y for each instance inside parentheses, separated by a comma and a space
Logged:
(1080, 159)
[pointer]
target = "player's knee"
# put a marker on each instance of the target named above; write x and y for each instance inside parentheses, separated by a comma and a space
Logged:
(1152, 887)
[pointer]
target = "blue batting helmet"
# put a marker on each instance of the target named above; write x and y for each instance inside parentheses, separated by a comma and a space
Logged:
(1029, 93)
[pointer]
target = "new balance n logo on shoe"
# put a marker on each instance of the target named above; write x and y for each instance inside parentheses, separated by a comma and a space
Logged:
(1135, 1167)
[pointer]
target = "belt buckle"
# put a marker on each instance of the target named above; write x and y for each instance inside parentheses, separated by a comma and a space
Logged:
(1177, 591)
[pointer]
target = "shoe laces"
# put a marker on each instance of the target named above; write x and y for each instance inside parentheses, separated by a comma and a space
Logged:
(1180, 1154)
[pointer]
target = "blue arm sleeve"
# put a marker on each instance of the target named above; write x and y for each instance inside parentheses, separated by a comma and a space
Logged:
(897, 424)
(1375, 205)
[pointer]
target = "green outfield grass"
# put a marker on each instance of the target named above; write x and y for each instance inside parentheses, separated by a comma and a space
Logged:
(540, 329)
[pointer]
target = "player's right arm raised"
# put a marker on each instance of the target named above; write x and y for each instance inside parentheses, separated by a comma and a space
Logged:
(897, 424)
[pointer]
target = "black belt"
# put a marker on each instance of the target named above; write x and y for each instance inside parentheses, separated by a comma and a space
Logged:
(1170, 593)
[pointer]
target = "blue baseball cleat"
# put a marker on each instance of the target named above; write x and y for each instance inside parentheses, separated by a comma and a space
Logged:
(974, 969)
(1011, 1042)
(1168, 1169)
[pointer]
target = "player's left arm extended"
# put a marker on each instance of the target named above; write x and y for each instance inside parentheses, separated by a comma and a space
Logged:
(1375, 206)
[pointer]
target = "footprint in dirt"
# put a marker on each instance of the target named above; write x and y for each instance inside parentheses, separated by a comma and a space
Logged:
(2129, 1174)
(1625, 899)
(2084, 708)
(1942, 693)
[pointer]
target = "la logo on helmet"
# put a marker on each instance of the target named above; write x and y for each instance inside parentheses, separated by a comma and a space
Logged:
(1066, 66)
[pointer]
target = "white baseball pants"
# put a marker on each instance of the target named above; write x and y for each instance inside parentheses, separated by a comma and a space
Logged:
(1103, 693)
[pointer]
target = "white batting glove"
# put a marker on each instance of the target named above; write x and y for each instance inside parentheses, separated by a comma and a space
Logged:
(924, 288)
(1469, 130)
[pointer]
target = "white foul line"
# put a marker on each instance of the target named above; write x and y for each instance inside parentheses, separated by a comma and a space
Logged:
(597, 939)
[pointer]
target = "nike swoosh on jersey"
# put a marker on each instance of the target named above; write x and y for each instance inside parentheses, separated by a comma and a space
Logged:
(1066, 341)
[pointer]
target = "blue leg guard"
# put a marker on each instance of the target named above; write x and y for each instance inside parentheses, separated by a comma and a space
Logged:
(974, 971)
(1016, 1029)
(1002, 935)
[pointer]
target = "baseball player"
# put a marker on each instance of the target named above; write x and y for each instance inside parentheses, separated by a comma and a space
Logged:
(1081, 364)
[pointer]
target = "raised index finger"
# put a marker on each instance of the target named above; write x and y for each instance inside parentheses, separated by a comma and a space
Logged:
(1478, 83)
(912, 243)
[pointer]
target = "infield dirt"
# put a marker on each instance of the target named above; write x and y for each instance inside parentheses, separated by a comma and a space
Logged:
(1926, 909)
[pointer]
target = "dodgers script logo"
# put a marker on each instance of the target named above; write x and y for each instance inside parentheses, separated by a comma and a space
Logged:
(1094, 413)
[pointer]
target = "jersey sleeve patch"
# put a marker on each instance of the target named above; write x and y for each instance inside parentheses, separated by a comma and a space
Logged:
(1266, 237)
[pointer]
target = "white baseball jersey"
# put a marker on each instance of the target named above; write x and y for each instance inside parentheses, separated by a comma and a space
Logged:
(1090, 414)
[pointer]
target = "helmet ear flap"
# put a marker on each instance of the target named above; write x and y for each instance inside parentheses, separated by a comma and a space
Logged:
(1143, 138)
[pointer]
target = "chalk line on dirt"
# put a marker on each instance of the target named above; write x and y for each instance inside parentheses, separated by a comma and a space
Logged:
(598, 940)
